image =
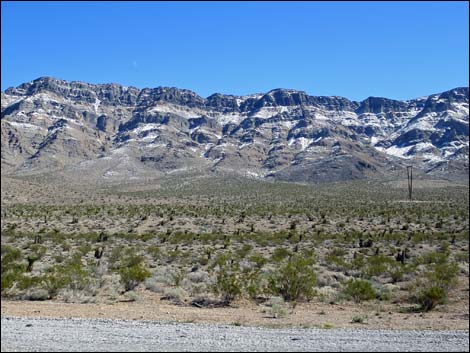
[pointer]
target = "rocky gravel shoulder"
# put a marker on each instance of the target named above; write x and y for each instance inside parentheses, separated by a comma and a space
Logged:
(46, 334)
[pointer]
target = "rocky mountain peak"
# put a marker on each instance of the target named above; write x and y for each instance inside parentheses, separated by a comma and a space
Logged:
(285, 134)
(377, 105)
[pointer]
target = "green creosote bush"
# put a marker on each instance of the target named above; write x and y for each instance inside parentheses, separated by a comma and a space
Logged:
(336, 262)
(280, 254)
(37, 252)
(428, 297)
(72, 275)
(12, 269)
(154, 251)
(133, 272)
(259, 260)
(359, 290)
(432, 257)
(380, 265)
(462, 257)
(294, 280)
(443, 274)
(27, 282)
(227, 283)
(252, 283)
(397, 272)
(434, 288)
(244, 251)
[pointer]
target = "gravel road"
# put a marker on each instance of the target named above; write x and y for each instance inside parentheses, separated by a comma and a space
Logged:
(40, 334)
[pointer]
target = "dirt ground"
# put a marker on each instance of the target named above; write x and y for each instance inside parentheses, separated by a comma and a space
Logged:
(375, 315)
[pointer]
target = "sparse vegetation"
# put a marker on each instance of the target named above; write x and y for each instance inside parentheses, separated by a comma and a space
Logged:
(294, 280)
(359, 290)
(243, 239)
(133, 272)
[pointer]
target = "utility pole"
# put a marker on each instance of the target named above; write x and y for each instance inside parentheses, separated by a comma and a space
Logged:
(409, 172)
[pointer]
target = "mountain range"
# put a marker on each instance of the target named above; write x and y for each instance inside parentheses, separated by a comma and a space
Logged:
(110, 132)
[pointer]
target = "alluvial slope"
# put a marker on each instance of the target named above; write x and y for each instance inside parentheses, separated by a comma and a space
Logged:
(112, 132)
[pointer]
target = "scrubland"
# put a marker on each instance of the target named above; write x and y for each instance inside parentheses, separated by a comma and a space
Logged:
(283, 251)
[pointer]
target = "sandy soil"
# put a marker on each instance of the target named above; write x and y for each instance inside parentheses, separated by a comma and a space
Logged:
(314, 314)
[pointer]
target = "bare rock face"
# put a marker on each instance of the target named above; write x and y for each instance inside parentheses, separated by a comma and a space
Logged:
(117, 132)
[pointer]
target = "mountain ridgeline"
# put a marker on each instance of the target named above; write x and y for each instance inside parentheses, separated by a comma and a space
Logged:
(109, 132)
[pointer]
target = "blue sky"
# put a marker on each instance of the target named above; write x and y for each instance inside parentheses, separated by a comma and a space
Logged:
(399, 50)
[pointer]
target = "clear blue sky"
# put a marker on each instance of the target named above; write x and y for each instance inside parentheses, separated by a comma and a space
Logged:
(399, 50)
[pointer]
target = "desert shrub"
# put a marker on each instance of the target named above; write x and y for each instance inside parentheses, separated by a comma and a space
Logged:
(294, 280)
(176, 295)
(153, 285)
(177, 276)
(163, 275)
(340, 252)
(36, 252)
(36, 294)
(202, 260)
(154, 251)
(12, 268)
(173, 255)
(223, 259)
(84, 249)
(198, 277)
(432, 258)
(244, 251)
(327, 294)
(433, 288)
(277, 307)
(132, 296)
(227, 283)
(462, 257)
(76, 296)
(280, 254)
(10, 255)
(430, 296)
(359, 319)
(59, 258)
(359, 290)
(358, 262)
(197, 289)
(147, 236)
(72, 275)
(259, 260)
(335, 262)
(53, 283)
(26, 281)
(308, 253)
(134, 274)
(252, 283)
(10, 277)
(378, 265)
(443, 275)
(384, 292)
(114, 257)
(397, 272)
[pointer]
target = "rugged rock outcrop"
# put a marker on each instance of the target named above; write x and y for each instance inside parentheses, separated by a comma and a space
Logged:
(120, 132)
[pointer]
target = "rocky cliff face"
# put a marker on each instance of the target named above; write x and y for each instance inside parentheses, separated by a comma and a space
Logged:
(117, 132)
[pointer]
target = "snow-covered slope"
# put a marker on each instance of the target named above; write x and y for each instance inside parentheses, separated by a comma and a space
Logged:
(111, 130)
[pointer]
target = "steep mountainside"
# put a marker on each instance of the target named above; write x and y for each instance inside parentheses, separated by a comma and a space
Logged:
(112, 132)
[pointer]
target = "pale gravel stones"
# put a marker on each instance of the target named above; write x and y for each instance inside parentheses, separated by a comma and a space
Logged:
(40, 334)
